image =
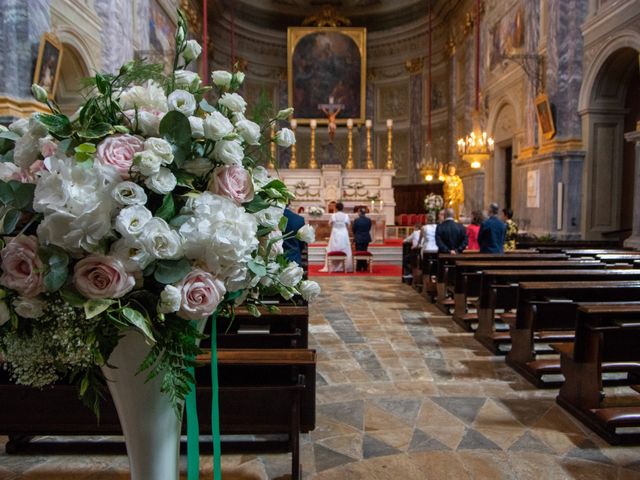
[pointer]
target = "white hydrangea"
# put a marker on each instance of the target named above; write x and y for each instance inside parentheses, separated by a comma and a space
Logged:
(150, 97)
(269, 217)
(219, 234)
(27, 146)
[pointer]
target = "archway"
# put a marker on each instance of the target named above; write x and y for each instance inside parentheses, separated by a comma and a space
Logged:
(72, 71)
(611, 107)
(500, 178)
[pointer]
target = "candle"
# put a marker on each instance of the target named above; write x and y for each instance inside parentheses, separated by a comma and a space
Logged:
(381, 204)
(313, 123)
(294, 123)
(389, 123)
(350, 122)
(373, 202)
(368, 123)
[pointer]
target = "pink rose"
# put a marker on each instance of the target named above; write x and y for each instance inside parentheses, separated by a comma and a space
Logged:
(201, 293)
(100, 276)
(233, 182)
(22, 269)
(118, 151)
(48, 147)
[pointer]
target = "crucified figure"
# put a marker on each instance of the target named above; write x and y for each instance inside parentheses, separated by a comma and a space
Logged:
(331, 116)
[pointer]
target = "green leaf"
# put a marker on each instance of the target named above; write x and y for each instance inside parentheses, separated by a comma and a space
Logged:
(176, 129)
(10, 219)
(257, 204)
(84, 385)
(171, 271)
(283, 223)
(6, 193)
(22, 194)
(97, 130)
(257, 268)
(176, 222)
(102, 84)
(63, 145)
(9, 135)
(273, 309)
(167, 210)
(85, 148)
(57, 261)
(204, 105)
(185, 179)
(137, 319)
(95, 307)
(59, 125)
(72, 297)
(253, 310)
(262, 231)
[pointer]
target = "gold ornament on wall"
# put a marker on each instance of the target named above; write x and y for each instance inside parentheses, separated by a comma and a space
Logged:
(328, 17)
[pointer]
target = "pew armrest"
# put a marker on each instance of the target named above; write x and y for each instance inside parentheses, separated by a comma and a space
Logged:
(564, 349)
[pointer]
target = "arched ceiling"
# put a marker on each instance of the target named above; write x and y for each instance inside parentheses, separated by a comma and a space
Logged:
(376, 15)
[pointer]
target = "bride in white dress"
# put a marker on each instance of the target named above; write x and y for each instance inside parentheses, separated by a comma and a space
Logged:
(339, 241)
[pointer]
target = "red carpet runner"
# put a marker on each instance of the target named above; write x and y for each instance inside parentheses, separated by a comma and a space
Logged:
(379, 270)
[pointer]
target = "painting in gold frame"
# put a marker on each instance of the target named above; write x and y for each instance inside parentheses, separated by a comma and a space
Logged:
(545, 116)
(324, 62)
(47, 70)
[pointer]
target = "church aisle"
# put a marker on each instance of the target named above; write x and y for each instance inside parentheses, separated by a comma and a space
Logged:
(403, 393)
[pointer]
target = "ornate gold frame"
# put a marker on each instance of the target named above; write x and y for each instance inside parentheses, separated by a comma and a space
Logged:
(543, 107)
(358, 35)
(48, 37)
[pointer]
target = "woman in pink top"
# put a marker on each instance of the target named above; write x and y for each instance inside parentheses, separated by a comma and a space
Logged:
(473, 229)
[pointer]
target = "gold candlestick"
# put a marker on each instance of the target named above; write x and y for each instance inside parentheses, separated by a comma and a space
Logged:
(272, 150)
(312, 156)
(349, 144)
(369, 159)
(389, 141)
(294, 161)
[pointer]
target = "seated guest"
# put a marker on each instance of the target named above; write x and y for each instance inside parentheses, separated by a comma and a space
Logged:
(414, 241)
(428, 234)
(292, 246)
(492, 232)
(451, 237)
(512, 229)
(361, 236)
(473, 229)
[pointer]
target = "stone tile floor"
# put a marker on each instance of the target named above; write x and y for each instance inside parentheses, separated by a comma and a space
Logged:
(402, 394)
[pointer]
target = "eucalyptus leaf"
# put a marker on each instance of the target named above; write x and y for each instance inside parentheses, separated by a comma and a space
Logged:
(9, 135)
(253, 310)
(171, 271)
(137, 319)
(94, 307)
(22, 194)
(9, 220)
(176, 129)
(204, 105)
(257, 268)
(282, 225)
(167, 210)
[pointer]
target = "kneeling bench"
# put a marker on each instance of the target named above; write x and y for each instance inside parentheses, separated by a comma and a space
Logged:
(262, 391)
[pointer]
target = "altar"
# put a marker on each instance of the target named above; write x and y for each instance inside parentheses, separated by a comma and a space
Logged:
(323, 187)
(323, 229)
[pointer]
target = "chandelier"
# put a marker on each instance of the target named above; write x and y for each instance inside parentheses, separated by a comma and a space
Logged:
(429, 167)
(477, 147)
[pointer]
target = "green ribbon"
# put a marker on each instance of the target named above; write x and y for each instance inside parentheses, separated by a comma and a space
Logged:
(215, 407)
(193, 433)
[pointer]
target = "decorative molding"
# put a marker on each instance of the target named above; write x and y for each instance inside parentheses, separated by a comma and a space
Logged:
(15, 107)
(414, 65)
(328, 17)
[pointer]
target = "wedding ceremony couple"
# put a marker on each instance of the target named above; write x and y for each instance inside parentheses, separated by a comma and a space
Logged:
(339, 240)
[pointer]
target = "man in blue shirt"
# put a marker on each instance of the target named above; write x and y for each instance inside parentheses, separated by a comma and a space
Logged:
(492, 232)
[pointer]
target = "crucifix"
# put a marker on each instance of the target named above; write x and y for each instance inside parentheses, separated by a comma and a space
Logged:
(331, 110)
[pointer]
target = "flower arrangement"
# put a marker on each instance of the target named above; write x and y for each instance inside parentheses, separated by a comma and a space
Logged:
(433, 203)
(316, 211)
(146, 209)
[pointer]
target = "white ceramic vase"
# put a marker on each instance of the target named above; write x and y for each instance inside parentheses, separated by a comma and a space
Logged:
(149, 423)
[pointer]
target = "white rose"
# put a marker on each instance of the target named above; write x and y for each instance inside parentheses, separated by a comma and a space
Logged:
(269, 217)
(239, 76)
(129, 193)
(285, 138)
(170, 299)
(160, 147)
(160, 241)
(309, 290)
(217, 126)
(284, 114)
(5, 315)
(260, 177)
(29, 307)
(197, 127)
(233, 102)
(131, 221)
(162, 182)
(306, 234)
(229, 152)
(221, 78)
(250, 131)
(238, 117)
(199, 167)
(131, 253)
(147, 163)
(27, 147)
(291, 275)
(186, 79)
(272, 269)
(183, 102)
(147, 123)
(192, 50)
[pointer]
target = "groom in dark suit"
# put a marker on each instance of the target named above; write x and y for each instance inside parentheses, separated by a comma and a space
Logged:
(362, 236)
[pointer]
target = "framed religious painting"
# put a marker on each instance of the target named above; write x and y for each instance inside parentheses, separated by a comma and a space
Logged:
(48, 64)
(545, 116)
(327, 73)
(162, 28)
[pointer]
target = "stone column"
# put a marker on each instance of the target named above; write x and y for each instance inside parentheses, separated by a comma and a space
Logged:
(634, 240)
(415, 117)
(21, 26)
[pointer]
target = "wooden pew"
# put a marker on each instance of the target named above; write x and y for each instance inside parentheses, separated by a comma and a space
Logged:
(606, 334)
(499, 290)
(429, 270)
(619, 258)
(592, 252)
(262, 391)
(468, 275)
(546, 313)
(446, 268)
